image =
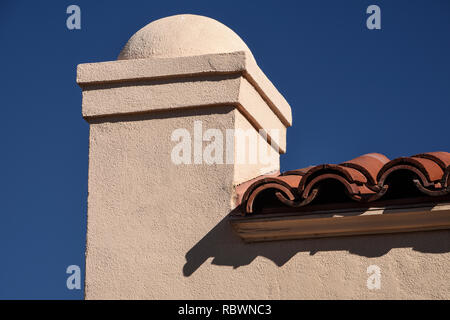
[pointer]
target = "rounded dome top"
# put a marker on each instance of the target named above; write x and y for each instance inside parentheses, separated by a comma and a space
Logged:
(182, 35)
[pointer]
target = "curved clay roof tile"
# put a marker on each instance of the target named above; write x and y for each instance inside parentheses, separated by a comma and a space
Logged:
(368, 164)
(428, 170)
(350, 174)
(440, 157)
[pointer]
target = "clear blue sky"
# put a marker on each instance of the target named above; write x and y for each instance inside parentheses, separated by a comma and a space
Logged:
(352, 91)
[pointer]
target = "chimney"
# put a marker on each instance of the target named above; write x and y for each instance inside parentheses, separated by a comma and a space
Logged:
(176, 123)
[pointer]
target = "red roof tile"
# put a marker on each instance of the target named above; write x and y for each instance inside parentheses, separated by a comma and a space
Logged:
(367, 178)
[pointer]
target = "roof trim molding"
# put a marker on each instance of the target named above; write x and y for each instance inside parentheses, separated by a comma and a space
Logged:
(342, 223)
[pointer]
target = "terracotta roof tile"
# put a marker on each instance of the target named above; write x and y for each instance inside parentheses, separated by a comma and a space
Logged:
(369, 165)
(367, 178)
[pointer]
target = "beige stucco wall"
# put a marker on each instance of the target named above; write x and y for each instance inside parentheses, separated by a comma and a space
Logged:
(158, 230)
(142, 208)
(144, 211)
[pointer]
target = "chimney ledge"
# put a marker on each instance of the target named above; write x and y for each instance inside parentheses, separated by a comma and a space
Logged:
(101, 75)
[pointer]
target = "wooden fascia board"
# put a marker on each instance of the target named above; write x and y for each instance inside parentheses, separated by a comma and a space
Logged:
(332, 224)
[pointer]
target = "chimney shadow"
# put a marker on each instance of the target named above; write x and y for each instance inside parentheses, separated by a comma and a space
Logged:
(227, 249)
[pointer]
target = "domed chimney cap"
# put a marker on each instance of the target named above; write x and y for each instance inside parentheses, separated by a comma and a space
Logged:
(180, 36)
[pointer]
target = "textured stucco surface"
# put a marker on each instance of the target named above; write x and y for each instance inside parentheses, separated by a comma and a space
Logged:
(144, 212)
(157, 230)
(139, 97)
(174, 86)
(137, 199)
(237, 63)
(182, 35)
(267, 158)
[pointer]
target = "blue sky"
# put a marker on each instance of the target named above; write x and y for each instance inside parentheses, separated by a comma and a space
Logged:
(352, 91)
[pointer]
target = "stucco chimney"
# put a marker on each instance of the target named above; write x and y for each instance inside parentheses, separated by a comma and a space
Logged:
(183, 89)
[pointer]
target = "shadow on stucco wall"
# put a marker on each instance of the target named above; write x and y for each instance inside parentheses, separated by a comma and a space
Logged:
(227, 249)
